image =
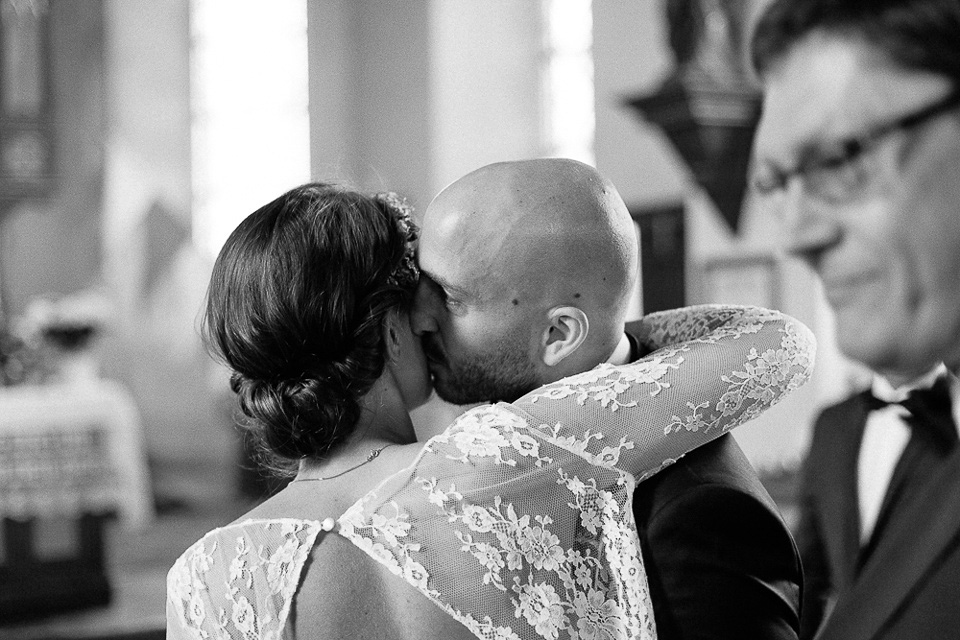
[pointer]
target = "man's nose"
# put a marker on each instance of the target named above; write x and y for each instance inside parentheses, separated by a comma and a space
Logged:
(423, 314)
(811, 225)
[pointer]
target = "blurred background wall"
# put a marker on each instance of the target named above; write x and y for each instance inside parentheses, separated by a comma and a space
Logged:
(173, 120)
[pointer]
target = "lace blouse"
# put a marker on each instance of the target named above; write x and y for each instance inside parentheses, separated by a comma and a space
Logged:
(517, 519)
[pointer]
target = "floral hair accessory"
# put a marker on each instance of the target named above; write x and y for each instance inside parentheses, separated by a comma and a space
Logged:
(406, 273)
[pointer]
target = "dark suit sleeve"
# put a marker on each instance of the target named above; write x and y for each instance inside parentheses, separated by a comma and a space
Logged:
(816, 585)
(721, 564)
(810, 541)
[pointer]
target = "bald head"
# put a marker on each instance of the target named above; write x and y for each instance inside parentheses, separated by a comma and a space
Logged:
(538, 234)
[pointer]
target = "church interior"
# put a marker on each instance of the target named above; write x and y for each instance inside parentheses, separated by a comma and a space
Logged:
(134, 135)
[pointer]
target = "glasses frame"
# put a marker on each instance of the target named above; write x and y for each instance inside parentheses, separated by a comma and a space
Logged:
(852, 147)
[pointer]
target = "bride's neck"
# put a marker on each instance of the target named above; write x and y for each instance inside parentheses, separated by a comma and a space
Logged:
(383, 421)
(383, 415)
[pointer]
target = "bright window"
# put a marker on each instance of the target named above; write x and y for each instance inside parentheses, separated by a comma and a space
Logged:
(250, 120)
(570, 119)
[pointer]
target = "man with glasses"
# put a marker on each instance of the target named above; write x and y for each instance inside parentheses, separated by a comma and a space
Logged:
(858, 152)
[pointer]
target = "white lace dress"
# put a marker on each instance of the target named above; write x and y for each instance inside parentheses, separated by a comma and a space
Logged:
(517, 519)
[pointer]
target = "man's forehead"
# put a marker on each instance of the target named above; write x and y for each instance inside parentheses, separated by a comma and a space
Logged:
(442, 279)
(463, 230)
(453, 266)
(819, 91)
(830, 88)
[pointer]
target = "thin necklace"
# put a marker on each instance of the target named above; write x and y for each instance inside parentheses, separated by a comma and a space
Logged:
(370, 457)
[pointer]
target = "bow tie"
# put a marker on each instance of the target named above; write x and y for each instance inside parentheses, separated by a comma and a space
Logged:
(931, 413)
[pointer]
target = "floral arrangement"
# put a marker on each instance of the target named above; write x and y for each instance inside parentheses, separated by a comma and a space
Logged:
(49, 329)
(19, 363)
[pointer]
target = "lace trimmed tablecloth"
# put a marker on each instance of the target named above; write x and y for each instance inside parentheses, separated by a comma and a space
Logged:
(68, 449)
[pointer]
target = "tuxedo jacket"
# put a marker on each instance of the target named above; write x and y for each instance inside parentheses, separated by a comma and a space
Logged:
(720, 561)
(908, 586)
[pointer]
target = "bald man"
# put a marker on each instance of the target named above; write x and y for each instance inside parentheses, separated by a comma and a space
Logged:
(527, 270)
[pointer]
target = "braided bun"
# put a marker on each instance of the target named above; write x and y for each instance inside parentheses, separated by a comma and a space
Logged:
(296, 306)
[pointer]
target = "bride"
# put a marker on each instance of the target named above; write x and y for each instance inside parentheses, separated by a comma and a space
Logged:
(511, 523)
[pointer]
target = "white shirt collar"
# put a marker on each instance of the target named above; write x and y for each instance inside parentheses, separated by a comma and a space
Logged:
(883, 390)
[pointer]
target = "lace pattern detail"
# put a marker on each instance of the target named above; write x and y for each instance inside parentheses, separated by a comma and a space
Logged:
(517, 520)
(238, 582)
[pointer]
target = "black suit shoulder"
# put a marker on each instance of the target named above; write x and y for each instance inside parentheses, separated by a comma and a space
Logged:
(840, 422)
(835, 442)
(721, 562)
(720, 462)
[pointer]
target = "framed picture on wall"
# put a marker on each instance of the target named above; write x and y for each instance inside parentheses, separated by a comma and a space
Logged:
(749, 279)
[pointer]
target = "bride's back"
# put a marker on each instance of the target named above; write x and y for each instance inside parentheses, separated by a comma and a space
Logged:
(346, 594)
(342, 592)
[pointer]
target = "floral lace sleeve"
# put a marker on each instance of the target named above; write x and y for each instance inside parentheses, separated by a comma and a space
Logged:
(516, 520)
(712, 368)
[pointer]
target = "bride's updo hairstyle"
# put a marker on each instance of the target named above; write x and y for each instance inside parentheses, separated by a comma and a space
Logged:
(296, 307)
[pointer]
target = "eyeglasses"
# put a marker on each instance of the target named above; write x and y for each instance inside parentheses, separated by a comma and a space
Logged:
(840, 170)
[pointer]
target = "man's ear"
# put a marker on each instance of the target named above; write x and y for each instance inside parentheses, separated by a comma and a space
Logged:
(568, 328)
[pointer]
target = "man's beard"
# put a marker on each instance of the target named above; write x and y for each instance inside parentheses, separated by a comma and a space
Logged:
(505, 375)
